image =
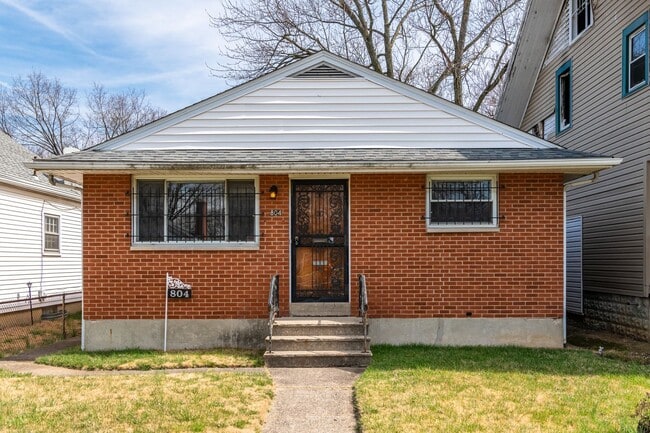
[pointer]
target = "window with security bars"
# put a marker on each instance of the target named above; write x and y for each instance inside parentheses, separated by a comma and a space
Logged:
(195, 211)
(51, 233)
(462, 202)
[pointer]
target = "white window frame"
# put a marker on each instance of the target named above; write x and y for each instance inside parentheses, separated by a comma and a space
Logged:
(51, 251)
(573, 18)
(464, 227)
(189, 245)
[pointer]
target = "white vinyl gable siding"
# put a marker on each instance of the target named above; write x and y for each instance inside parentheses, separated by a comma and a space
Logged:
(317, 113)
(21, 245)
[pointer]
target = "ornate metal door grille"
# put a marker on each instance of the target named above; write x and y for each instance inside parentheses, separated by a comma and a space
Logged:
(320, 241)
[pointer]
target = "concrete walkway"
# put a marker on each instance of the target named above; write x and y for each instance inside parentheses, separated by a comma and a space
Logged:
(306, 399)
(312, 400)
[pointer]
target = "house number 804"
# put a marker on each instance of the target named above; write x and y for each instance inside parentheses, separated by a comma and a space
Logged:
(179, 293)
(276, 212)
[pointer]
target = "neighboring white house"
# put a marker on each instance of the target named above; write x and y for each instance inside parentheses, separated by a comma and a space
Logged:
(40, 233)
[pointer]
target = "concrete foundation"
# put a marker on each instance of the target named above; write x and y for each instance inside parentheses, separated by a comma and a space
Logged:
(468, 332)
(625, 315)
(250, 333)
(181, 334)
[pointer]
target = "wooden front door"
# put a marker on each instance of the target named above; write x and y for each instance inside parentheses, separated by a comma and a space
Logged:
(319, 230)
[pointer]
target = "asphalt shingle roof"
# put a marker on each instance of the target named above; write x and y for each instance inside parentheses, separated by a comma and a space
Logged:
(13, 171)
(238, 158)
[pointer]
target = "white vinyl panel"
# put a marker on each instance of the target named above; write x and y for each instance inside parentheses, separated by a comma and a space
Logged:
(295, 113)
(21, 256)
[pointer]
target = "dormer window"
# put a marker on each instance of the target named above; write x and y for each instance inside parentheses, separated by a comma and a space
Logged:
(582, 17)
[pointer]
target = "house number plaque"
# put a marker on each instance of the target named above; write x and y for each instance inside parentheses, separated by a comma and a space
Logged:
(276, 212)
(179, 293)
(177, 289)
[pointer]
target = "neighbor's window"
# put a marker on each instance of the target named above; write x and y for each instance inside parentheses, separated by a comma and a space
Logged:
(461, 202)
(549, 126)
(195, 211)
(582, 17)
(635, 55)
(563, 94)
(51, 234)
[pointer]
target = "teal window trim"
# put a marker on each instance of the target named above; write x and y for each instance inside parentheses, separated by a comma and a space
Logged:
(563, 71)
(638, 24)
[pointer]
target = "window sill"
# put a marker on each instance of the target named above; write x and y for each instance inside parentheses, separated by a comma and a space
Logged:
(52, 253)
(462, 229)
(566, 129)
(639, 87)
(195, 247)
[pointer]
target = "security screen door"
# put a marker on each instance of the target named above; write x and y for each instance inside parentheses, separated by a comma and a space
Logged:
(319, 231)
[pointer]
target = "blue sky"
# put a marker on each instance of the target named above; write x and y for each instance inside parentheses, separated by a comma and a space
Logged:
(161, 46)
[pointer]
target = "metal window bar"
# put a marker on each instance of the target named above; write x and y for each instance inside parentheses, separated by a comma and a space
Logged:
(194, 212)
(462, 202)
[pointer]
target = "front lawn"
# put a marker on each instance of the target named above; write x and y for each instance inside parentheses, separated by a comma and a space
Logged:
(135, 359)
(435, 389)
(187, 402)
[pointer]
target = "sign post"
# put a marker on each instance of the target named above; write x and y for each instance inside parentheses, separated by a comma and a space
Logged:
(174, 289)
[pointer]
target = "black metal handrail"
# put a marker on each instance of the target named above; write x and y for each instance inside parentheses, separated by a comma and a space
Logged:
(363, 309)
(274, 306)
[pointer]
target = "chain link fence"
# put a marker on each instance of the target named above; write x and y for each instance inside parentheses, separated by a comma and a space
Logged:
(27, 323)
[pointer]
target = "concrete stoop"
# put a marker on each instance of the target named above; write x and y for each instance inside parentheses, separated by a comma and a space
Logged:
(317, 342)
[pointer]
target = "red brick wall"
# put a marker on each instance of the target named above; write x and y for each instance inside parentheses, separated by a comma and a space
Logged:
(124, 284)
(516, 272)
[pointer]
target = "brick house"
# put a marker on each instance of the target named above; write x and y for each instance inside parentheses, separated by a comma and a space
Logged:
(318, 172)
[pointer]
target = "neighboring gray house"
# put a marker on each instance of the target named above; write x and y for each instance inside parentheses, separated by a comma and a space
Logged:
(40, 234)
(579, 77)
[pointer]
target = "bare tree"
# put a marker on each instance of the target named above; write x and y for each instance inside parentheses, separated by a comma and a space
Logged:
(5, 125)
(455, 49)
(40, 113)
(111, 115)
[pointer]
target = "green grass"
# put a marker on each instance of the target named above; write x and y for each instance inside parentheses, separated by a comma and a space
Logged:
(152, 359)
(434, 389)
(187, 402)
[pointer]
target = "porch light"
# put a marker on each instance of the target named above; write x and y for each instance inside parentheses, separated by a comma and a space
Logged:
(273, 192)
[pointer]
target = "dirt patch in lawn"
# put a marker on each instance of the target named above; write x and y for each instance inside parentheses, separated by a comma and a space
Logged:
(613, 345)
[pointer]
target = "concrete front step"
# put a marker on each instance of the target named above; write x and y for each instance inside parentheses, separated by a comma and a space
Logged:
(317, 359)
(317, 342)
(293, 326)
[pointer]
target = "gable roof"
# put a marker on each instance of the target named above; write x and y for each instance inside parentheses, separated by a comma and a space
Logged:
(535, 35)
(271, 86)
(324, 108)
(13, 171)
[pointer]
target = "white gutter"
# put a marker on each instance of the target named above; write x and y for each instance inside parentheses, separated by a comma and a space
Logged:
(578, 166)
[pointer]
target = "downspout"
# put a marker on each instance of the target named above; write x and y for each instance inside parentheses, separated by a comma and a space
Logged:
(594, 177)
